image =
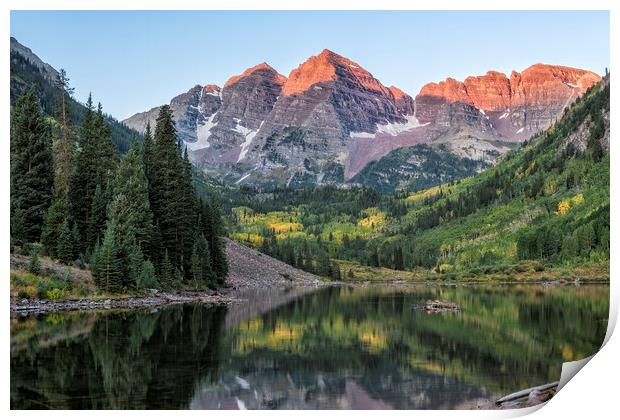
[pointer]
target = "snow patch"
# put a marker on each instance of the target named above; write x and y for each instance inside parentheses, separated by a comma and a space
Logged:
(397, 128)
(353, 67)
(504, 115)
(240, 404)
(361, 135)
(392, 129)
(482, 111)
(572, 85)
(242, 382)
(520, 130)
(217, 93)
(203, 132)
(241, 179)
(249, 136)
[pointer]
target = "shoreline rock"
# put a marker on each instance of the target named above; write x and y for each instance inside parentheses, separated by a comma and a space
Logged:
(434, 306)
(27, 307)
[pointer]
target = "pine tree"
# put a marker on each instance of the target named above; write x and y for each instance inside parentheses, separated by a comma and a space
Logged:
(187, 218)
(107, 153)
(98, 215)
(106, 262)
(52, 224)
(34, 266)
(84, 173)
(167, 272)
(130, 208)
(147, 154)
(136, 262)
(63, 161)
(212, 229)
(202, 273)
(165, 170)
(148, 279)
(31, 168)
(64, 247)
(94, 261)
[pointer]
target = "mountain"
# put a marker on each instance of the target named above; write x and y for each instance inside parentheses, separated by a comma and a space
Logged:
(511, 108)
(330, 118)
(27, 69)
(542, 211)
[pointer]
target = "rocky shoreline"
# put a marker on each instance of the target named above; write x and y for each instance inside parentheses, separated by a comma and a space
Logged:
(249, 270)
(27, 307)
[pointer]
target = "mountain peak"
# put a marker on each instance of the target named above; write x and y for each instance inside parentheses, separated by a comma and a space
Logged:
(323, 68)
(541, 83)
(262, 66)
(211, 88)
(397, 93)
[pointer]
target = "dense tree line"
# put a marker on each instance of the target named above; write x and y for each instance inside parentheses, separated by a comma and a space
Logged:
(303, 254)
(135, 219)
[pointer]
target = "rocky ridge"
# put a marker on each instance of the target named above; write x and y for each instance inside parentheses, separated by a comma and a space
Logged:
(330, 117)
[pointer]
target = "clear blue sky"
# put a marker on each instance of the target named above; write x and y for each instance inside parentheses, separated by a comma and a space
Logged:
(135, 60)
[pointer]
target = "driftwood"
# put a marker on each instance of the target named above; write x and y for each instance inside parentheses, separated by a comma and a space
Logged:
(528, 397)
(438, 306)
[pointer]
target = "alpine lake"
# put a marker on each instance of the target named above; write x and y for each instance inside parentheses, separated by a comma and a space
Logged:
(335, 347)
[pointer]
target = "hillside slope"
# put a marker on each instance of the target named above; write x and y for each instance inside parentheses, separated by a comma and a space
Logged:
(27, 69)
(547, 201)
(250, 269)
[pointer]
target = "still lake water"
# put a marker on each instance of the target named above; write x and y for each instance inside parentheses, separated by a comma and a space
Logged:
(336, 347)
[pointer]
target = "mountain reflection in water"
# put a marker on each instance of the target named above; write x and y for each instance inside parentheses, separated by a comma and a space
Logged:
(336, 347)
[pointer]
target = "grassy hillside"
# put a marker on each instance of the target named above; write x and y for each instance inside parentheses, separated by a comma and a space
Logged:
(544, 206)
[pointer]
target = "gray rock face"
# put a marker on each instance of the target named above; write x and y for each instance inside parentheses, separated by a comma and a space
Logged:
(326, 102)
(189, 109)
(246, 100)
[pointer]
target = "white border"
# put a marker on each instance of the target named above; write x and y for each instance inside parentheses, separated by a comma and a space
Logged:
(592, 393)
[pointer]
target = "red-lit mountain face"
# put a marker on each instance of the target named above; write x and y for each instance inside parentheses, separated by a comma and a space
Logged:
(330, 118)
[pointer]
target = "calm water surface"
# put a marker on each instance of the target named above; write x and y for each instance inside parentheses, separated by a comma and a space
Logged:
(336, 347)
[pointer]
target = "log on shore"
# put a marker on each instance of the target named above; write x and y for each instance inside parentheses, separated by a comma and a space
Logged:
(529, 397)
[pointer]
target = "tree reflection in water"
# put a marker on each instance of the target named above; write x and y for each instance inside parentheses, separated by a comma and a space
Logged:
(338, 347)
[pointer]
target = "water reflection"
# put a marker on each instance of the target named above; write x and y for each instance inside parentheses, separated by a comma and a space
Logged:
(335, 348)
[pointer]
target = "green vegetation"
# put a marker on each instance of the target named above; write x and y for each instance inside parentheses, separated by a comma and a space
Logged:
(29, 286)
(543, 205)
(31, 168)
(415, 168)
(134, 220)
